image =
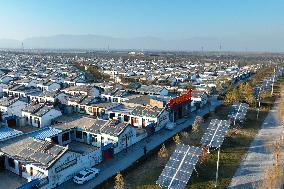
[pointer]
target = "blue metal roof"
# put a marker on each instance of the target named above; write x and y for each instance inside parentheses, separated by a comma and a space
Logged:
(45, 133)
(106, 147)
(29, 185)
(6, 132)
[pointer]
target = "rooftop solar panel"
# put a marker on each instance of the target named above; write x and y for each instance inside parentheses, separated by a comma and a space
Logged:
(35, 145)
(55, 150)
(42, 157)
(180, 167)
(26, 152)
(215, 133)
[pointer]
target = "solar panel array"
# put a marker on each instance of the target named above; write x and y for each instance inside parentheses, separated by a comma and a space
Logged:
(267, 82)
(215, 133)
(180, 167)
(239, 111)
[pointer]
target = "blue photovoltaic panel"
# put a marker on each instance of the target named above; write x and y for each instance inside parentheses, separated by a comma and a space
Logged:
(180, 167)
(215, 133)
(238, 111)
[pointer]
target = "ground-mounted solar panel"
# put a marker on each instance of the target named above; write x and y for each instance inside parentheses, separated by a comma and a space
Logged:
(238, 111)
(215, 133)
(180, 167)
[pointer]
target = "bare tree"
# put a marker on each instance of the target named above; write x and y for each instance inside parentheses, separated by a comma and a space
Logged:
(119, 181)
(177, 139)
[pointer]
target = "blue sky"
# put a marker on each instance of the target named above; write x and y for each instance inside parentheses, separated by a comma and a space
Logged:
(169, 19)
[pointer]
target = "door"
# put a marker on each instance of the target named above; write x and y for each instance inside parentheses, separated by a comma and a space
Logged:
(20, 168)
(11, 122)
(95, 112)
(132, 121)
(31, 171)
(2, 163)
(143, 123)
(85, 137)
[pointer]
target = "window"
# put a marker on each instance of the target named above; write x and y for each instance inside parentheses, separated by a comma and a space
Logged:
(79, 134)
(36, 120)
(11, 162)
(24, 169)
(94, 138)
(65, 137)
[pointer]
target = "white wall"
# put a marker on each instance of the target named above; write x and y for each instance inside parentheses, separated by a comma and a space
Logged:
(45, 120)
(16, 108)
(163, 119)
(53, 87)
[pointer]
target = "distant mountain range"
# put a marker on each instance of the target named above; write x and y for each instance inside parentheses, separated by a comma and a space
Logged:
(145, 43)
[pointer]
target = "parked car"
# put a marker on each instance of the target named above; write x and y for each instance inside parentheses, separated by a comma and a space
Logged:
(86, 175)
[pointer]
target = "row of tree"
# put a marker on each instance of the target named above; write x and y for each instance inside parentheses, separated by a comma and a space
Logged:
(92, 72)
(245, 91)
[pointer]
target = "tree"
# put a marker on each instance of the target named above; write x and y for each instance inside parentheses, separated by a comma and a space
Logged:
(196, 124)
(119, 181)
(184, 134)
(195, 135)
(163, 152)
(250, 99)
(56, 103)
(176, 139)
(231, 97)
(264, 94)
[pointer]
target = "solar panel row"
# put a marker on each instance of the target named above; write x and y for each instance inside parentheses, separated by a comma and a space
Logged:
(238, 112)
(215, 133)
(180, 167)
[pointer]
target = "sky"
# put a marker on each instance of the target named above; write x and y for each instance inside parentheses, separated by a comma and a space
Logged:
(167, 19)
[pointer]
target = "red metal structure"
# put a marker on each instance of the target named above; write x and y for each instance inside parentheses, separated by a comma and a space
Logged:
(180, 99)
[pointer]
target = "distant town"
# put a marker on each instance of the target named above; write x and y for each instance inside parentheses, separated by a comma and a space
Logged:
(77, 119)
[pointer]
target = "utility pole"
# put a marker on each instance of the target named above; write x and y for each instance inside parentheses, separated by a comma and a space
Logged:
(258, 104)
(237, 114)
(217, 170)
(273, 82)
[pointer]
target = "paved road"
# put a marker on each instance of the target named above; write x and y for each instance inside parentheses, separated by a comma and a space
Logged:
(259, 156)
(123, 160)
(9, 180)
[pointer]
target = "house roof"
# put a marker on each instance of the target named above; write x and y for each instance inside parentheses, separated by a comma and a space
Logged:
(6, 102)
(146, 111)
(32, 108)
(111, 127)
(38, 109)
(44, 133)
(32, 150)
(6, 132)
(150, 89)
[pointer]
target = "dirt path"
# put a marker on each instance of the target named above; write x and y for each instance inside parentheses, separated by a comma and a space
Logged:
(259, 156)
